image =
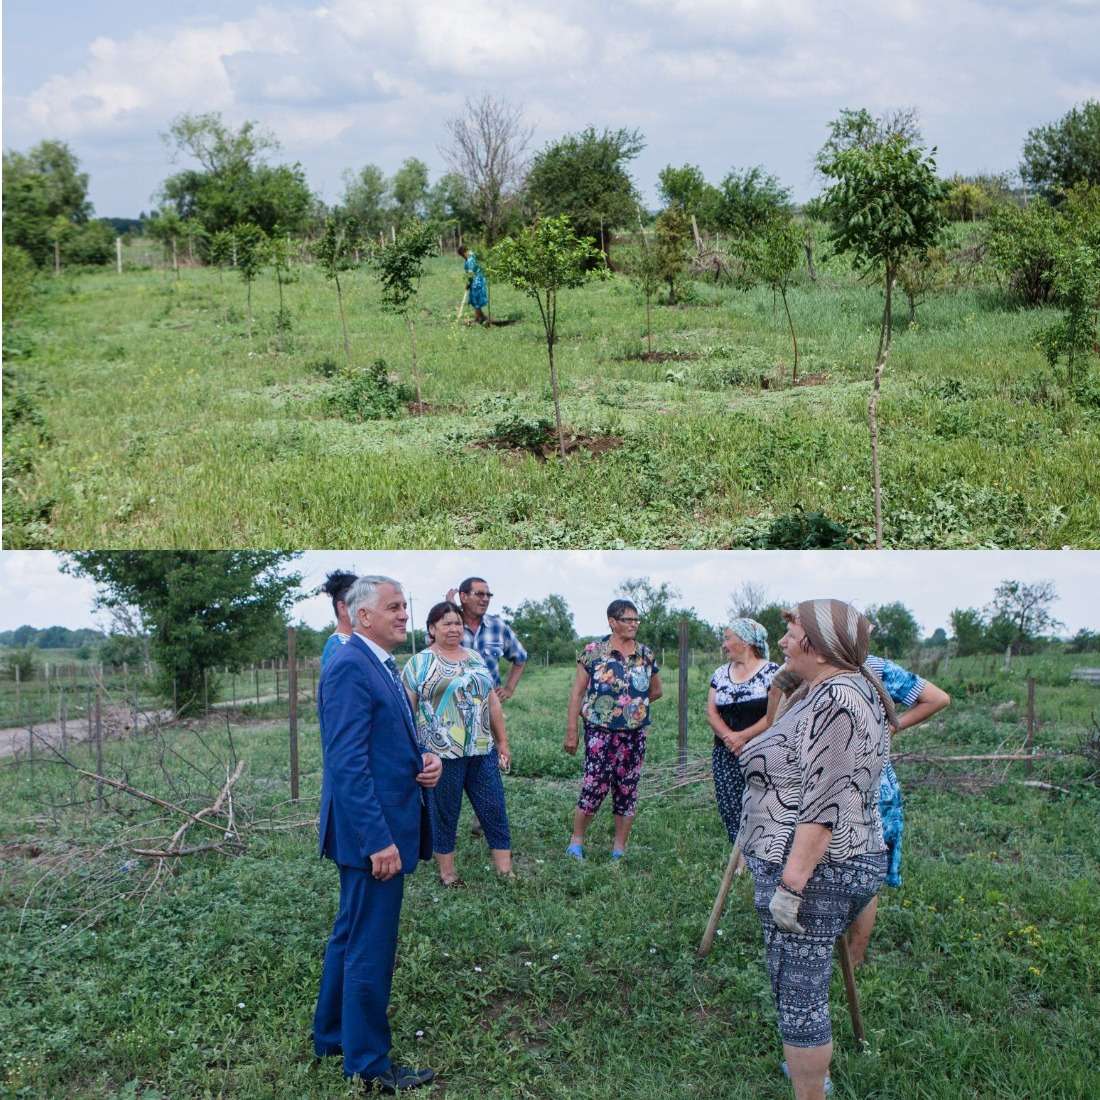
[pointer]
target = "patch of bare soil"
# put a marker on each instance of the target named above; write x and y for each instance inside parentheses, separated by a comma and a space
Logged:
(593, 444)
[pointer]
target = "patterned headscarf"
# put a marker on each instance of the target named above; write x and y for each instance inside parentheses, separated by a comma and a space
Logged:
(752, 633)
(840, 634)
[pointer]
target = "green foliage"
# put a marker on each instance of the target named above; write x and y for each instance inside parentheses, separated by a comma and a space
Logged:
(400, 265)
(92, 243)
(661, 614)
(220, 248)
(540, 261)
(584, 177)
(40, 187)
(1022, 244)
(19, 283)
(748, 199)
(335, 251)
(1017, 618)
(772, 254)
(896, 630)
(802, 530)
(687, 189)
(885, 205)
(366, 194)
(1065, 153)
(368, 393)
(1076, 287)
(204, 608)
(410, 191)
(19, 664)
(973, 198)
(859, 129)
(122, 649)
(922, 274)
(523, 430)
(252, 245)
(233, 184)
(672, 247)
(545, 627)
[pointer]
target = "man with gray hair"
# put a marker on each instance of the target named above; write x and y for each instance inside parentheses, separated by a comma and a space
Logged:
(374, 825)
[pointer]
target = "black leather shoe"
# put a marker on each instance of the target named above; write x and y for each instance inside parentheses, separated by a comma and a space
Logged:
(398, 1079)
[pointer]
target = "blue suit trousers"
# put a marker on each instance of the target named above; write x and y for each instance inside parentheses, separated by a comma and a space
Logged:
(357, 974)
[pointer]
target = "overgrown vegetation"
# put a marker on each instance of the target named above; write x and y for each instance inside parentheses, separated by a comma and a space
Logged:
(983, 962)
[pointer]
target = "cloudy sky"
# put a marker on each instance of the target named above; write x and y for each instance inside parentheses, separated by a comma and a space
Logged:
(718, 83)
(930, 582)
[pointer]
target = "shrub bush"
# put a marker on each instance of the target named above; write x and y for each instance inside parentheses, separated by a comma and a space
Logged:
(367, 394)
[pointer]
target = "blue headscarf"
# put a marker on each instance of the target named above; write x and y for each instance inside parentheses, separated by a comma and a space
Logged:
(751, 632)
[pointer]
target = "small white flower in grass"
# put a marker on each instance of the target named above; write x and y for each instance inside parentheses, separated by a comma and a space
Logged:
(720, 932)
(477, 969)
(653, 950)
(420, 1034)
(555, 957)
(240, 1004)
(446, 954)
(527, 963)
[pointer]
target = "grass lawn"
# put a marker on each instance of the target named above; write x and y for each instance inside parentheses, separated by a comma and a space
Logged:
(574, 981)
(147, 418)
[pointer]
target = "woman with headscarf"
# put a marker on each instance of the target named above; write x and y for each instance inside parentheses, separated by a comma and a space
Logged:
(737, 706)
(477, 290)
(810, 825)
(921, 699)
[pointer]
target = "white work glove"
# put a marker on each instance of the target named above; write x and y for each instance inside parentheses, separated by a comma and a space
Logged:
(784, 908)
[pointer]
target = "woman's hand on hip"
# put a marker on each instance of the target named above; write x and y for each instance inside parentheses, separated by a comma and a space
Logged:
(784, 908)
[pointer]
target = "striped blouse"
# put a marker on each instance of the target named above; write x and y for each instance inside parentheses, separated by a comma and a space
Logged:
(818, 764)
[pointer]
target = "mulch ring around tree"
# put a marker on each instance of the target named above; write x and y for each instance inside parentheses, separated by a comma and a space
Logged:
(548, 448)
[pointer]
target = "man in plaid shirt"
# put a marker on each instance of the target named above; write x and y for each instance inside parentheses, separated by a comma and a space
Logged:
(489, 636)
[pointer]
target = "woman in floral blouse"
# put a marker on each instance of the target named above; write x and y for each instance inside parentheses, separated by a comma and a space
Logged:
(459, 718)
(617, 680)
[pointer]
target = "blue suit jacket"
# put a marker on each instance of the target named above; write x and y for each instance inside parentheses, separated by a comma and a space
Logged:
(369, 794)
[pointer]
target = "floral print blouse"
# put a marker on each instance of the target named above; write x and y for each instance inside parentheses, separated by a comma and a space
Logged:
(452, 703)
(741, 703)
(618, 686)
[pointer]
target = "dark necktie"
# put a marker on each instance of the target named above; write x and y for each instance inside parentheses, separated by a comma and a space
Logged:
(391, 667)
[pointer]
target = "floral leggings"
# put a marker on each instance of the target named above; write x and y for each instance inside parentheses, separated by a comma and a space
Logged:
(612, 762)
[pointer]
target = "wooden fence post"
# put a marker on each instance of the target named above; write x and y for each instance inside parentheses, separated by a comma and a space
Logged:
(99, 744)
(1029, 744)
(682, 698)
(206, 691)
(256, 682)
(62, 717)
(276, 667)
(292, 686)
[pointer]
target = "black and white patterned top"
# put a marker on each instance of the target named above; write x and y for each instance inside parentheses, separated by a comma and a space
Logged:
(740, 705)
(818, 764)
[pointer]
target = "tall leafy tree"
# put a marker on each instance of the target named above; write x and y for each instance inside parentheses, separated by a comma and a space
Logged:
(204, 608)
(233, 183)
(660, 613)
(584, 177)
(1065, 153)
(541, 261)
(366, 199)
(1026, 610)
(896, 630)
(410, 191)
(885, 205)
(545, 626)
(686, 188)
(399, 267)
(41, 186)
(749, 199)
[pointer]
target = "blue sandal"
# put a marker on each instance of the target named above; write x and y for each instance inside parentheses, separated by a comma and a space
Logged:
(575, 851)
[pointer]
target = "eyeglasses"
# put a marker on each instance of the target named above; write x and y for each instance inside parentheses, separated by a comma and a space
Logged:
(629, 622)
(482, 595)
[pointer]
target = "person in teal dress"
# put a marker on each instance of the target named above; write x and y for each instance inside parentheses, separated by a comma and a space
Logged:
(477, 289)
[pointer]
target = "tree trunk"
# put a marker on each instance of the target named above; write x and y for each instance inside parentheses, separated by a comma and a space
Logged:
(416, 369)
(175, 259)
(648, 323)
(343, 322)
(57, 257)
(872, 406)
(794, 339)
(551, 335)
(808, 246)
(249, 285)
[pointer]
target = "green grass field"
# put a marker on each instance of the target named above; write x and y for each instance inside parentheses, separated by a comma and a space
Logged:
(574, 981)
(151, 421)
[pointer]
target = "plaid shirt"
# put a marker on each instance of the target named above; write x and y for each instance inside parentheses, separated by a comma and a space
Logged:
(494, 639)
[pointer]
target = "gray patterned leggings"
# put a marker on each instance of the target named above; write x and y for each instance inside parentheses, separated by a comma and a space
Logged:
(800, 966)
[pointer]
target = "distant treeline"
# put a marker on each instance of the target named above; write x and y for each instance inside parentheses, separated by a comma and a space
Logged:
(50, 637)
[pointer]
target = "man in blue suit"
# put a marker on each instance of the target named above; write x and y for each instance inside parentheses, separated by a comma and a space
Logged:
(374, 825)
